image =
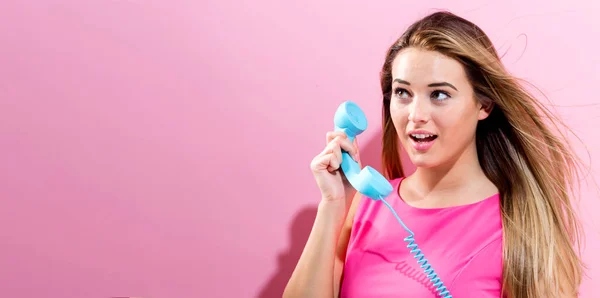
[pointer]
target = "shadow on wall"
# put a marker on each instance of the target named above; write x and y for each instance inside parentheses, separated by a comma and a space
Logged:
(302, 223)
(299, 232)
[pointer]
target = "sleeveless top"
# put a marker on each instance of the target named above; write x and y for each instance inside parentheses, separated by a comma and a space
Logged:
(463, 244)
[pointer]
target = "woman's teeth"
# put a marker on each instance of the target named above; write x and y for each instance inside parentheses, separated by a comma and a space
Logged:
(423, 137)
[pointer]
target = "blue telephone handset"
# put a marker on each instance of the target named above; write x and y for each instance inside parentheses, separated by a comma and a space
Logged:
(352, 120)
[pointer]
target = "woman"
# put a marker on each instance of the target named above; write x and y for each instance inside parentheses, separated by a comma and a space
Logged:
(489, 201)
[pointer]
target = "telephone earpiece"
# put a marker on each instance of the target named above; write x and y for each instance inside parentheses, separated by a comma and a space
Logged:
(352, 120)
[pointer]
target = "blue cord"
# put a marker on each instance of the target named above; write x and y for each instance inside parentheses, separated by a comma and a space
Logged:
(440, 288)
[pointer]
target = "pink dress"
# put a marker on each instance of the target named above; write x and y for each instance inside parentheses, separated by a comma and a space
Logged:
(463, 244)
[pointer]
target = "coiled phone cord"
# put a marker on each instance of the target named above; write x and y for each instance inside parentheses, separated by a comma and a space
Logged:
(433, 277)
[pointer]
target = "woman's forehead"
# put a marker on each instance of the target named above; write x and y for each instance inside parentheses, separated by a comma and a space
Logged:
(422, 66)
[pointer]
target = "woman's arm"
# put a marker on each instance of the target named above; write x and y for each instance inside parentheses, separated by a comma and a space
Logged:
(342, 246)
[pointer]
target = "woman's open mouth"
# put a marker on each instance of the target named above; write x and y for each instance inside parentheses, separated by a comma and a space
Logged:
(421, 141)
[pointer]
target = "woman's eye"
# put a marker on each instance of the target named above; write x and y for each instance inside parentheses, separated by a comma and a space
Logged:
(401, 93)
(439, 95)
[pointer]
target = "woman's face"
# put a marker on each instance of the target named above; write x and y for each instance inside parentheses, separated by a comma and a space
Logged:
(433, 107)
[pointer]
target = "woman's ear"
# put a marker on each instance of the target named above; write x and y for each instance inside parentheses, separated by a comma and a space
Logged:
(487, 105)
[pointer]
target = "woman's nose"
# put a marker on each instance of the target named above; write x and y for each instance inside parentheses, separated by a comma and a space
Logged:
(419, 111)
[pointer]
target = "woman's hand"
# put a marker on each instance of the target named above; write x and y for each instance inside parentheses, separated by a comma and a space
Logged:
(326, 167)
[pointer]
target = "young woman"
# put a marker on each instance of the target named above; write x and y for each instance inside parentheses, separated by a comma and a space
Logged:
(490, 199)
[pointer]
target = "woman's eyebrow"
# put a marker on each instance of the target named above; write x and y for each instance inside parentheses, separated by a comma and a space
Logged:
(442, 84)
(430, 85)
(401, 81)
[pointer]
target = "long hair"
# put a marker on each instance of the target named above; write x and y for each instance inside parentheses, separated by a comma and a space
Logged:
(527, 158)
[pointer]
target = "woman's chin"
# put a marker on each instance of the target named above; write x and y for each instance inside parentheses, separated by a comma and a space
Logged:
(422, 160)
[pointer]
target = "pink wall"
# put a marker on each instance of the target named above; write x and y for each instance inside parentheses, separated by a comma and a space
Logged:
(123, 124)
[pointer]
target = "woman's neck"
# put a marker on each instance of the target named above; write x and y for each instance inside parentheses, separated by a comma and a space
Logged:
(463, 175)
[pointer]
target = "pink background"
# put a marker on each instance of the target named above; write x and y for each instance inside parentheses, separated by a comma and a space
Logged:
(162, 149)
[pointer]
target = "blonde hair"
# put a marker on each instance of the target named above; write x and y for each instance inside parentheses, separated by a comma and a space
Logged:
(531, 164)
